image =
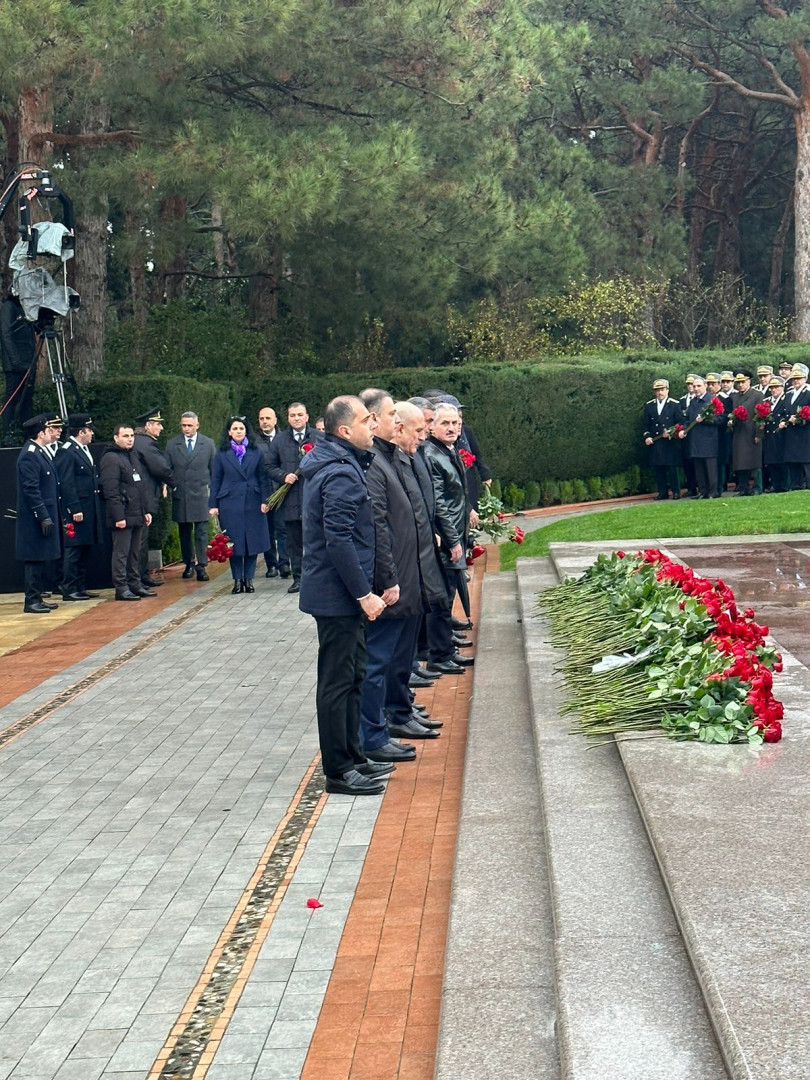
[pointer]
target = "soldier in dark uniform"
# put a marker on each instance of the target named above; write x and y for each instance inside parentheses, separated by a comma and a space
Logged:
(797, 432)
(660, 415)
(37, 533)
(156, 473)
(82, 511)
(128, 515)
(773, 435)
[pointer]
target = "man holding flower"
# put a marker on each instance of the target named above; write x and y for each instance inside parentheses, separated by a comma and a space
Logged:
(702, 435)
(746, 446)
(662, 416)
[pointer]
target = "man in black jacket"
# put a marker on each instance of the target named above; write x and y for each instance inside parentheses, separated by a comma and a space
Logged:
(18, 349)
(157, 477)
(128, 512)
(81, 506)
(283, 461)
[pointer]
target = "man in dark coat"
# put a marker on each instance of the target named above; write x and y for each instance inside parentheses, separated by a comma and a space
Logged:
(390, 639)
(337, 588)
(451, 522)
(702, 442)
(661, 414)
(128, 503)
(18, 348)
(797, 432)
(773, 435)
(746, 450)
(156, 474)
(191, 457)
(276, 560)
(37, 532)
(284, 460)
(82, 511)
(687, 462)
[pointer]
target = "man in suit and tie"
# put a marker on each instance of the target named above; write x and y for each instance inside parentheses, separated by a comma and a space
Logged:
(283, 460)
(38, 539)
(191, 456)
(81, 506)
(275, 558)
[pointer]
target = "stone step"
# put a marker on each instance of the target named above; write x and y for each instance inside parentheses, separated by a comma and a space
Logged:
(728, 826)
(497, 1017)
(628, 1004)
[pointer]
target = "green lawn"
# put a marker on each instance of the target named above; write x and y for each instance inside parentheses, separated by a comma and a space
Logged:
(729, 516)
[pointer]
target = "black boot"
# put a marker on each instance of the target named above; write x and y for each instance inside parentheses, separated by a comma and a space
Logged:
(248, 583)
(238, 586)
(188, 572)
(202, 574)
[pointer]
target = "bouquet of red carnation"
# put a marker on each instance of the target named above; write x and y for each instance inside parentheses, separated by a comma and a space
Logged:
(802, 416)
(476, 553)
(220, 549)
(763, 411)
(467, 459)
(280, 494)
(739, 416)
(70, 530)
(708, 414)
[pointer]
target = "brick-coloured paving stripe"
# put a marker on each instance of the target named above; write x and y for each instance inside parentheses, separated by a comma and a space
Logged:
(25, 723)
(380, 1016)
(195, 1038)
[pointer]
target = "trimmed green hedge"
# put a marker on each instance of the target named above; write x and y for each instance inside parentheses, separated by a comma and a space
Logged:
(121, 399)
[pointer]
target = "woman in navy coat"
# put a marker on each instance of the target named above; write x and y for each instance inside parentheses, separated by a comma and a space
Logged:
(240, 487)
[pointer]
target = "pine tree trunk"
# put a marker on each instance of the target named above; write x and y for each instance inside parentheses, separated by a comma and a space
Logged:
(801, 261)
(35, 111)
(172, 275)
(778, 259)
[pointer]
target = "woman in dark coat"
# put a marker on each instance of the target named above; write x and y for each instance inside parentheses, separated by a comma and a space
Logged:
(240, 487)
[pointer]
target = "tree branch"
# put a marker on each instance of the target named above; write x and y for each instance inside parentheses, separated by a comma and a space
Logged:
(791, 100)
(100, 138)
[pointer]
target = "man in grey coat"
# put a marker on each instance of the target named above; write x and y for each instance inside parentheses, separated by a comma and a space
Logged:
(191, 456)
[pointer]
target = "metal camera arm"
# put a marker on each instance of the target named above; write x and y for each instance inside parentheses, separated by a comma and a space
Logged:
(36, 183)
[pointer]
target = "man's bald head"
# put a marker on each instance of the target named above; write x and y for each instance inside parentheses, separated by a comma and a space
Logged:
(413, 428)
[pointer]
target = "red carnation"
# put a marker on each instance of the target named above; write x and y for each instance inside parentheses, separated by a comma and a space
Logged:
(467, 458)
(719, 407)
(804, 412)
(307, 447)
(70, 530)
(763, 409)
(740, 413)
(478, 550)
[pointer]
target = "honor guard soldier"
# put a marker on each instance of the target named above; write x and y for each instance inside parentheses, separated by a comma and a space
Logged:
(773, 435)
(156, 472)
(797, 432)
(764, 376)
(661, 414)
(38, 539)
(82, 511)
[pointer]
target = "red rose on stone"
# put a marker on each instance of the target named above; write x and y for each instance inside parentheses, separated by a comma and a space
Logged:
(773, 731)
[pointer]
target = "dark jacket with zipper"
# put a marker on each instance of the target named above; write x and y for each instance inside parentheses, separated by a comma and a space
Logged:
(452, 511)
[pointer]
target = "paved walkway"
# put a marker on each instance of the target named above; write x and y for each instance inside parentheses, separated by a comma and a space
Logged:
(162, 827)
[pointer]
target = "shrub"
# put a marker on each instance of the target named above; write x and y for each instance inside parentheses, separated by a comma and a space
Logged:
(495, 488)
(580, 491)
(532, 495)
(549, 492)
(514, 498)
(566, 492)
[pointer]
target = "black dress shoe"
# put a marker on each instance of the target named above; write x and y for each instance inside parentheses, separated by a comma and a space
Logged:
(376, 769)
(412, 729)
(423, 673)
(188, 572)
(445, 667)
(272, 571)
(85, 595)
(149, 582)
(285, 571)
(126, 594)
(74, 596)
(391, 751)
(425, 721)
(418, 683)
(459, 624)
(37, 608)
(419, 708)
(202, 573)
(238, 586)
(249, 585)
(353, 783)
(143, 591)
(462, 642)
(295, 587)
(52, 607)
(463, 661)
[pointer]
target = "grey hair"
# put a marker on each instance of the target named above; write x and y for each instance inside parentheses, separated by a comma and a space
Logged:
(373, 398)
(444, 406)
(421, 403)
(189, 416)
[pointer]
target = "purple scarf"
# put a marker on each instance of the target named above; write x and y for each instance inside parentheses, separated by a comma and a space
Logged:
(239, 448)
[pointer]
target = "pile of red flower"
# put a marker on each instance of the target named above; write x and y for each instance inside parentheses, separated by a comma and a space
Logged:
(652, 645)
(220, 549)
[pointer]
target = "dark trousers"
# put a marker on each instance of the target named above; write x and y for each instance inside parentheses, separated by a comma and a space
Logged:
(243, 567)
(743, 480)
(34, 573)
(666, 479)
(143, 553)
(689, 474)
(295, 546)
(439, 626)
(706, 476)
(341, 667)
(276, 554)
(389, 649)
(18, 400)
(779, 477)
(193, 542)
(126, 546)
(398, 696)
(799, 475)
(74, 575)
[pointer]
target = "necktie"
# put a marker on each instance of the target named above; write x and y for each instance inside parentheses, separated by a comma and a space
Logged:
(299, 436)
(190, 445)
